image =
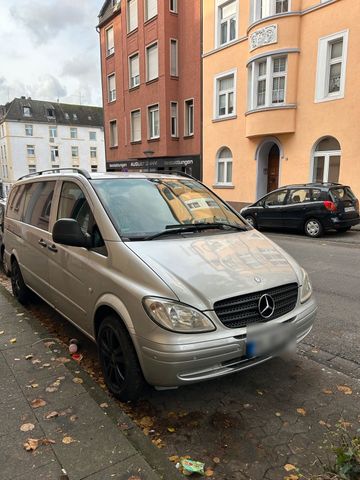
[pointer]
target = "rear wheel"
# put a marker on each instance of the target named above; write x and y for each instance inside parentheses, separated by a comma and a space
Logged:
(20, 290)
(251, 220)
(119, 361)
(313, 228)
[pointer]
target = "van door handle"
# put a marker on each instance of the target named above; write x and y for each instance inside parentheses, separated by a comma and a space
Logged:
(42, 243)
(52, 248)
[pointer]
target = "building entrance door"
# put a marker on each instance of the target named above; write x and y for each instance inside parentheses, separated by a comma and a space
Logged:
(273, 168)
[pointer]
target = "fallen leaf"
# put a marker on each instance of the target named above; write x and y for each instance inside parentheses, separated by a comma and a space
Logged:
(73, 418)
(146, 422)
(216, 460)
(46, 365)
(104, 405)
(259, 392)
(291, 477)
(78, 380)
(27, 427)
(67, 440)
(324, 424)
(13, 340)
(34, 385)
(327, 391)
(35, 361)
(31, 444)
(47, 441)
(345, 424)
(38, 402)
(289, 467)
(174, 458)
(344, 389)
(19, 314)
(301, 411)
(278, 414)
(2, 332)
(51, 389)
(171, 429)
(29, 357)
(51, 415)
(209, 472)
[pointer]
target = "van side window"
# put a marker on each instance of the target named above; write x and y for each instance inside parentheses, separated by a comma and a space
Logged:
(16, 203)
(38, 198)
(73, 204)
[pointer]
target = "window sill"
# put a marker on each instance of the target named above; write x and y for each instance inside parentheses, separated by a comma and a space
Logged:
(174, 77)
(149, 20)
(187, 137)
(109, 55)
(154, 80)
(173, 13)
(113, 147)
(223, 119)
(129, 34)
(152, 140)
(112, 101)
(176, 139)
(329, 99)
(228, 186)
(136, 142)
(136, 87)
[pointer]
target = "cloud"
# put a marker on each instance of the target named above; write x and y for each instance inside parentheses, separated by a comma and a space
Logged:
(46, 87)
(46, 18)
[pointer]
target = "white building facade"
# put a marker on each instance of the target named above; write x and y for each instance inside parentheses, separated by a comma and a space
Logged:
(36, 135)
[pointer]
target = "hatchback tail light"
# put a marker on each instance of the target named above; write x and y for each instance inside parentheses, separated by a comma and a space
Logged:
(330, 206)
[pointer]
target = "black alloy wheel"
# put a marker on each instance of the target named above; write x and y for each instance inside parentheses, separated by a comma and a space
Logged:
(251, 220)
(119, 362)
(20, 290)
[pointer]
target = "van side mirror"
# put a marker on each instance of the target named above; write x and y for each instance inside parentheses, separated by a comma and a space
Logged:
(67, 231)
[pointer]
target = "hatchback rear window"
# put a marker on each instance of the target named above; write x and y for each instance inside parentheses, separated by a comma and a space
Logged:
(342, 194)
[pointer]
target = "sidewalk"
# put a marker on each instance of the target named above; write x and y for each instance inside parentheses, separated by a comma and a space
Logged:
(82, 433)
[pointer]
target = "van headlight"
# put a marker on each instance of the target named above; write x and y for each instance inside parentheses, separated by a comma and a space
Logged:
(177, 317)
(306, 288)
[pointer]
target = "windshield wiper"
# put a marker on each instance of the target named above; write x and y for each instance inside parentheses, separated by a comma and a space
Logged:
(196, 227)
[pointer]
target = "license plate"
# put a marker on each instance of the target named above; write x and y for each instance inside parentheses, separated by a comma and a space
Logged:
(349, 209)
(269, 339)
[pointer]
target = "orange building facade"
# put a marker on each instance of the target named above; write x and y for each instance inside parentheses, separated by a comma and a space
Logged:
(151, 70)
(281, 102)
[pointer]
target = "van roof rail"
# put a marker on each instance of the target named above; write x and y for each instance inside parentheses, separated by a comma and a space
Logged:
(80, 171)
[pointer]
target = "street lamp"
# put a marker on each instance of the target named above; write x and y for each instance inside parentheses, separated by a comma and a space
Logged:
(149, 154)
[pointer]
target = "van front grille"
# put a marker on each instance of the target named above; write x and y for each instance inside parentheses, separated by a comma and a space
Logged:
(237, 312)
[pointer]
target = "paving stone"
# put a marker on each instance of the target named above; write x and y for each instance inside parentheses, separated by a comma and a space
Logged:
(51, 471)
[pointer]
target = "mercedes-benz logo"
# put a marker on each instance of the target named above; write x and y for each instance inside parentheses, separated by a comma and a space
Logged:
(266, 306)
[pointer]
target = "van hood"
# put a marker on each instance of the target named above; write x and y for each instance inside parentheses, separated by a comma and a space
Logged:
(204, 268)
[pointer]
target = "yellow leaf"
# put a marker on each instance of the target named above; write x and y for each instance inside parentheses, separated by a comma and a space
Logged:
(13, 340)
(327, 391)
(27, 427)
(171, 429)
(344, 389)
(2, 332)
(289, 467)
(31, 444)
(51, 415)
(174, 458)
(38, 402)
(67, 440)
(301, 411)
(146, 422)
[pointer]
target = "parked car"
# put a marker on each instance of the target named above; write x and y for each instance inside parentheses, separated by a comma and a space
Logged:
(173, 285)
(2, 246)
(311, 207)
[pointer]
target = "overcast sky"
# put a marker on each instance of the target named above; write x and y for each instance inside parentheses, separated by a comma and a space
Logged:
(49, 49)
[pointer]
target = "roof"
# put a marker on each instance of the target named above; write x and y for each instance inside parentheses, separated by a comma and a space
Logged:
(51, 113)
(108, 10)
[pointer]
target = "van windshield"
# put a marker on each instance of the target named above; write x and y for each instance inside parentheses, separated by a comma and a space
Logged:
(147, 208)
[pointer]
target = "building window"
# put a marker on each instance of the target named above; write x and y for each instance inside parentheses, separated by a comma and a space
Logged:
(173, 6)
(110, 46)
(74, 152)
(111, 88)
(150, 9)
(189, 118)
(224, 167)
(266, 8)
(174, 119)
(29, 130)
(227, 21)
(92, 135)
(27, 111)
(132, 15)
(93, 152)
(75, 116)
(113, 134)
(174, 58)
(152, 62)
(30, 150)
(52, 132)
(331, 67)
(267, 79)
(225, 95)
(32, 168)
(134, 70)
(67, 116)
(326, 160)
(73, 133)
(50, 113)
(94, 168)
(153, 122)
(135, 119)
(54, 154)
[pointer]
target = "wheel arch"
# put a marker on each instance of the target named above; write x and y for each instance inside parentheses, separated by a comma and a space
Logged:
(109, 304)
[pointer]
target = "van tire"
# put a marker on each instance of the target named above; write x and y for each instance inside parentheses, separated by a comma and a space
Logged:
(313, 228)
(122, 372)
(20, 291)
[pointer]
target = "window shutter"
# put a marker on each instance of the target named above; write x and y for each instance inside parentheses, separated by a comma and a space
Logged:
(133, 14)
(151, 8)
(153, 67)
(112, 83)
(134, 66)
(173, 58)
(110, 39)
(136, 126)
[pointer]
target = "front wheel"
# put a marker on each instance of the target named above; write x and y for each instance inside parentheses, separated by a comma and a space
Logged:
(119, 361)
(313, 228)
(251, 220)
(20, 290)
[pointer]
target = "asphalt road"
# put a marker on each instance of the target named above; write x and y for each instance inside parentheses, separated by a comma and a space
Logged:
(333, 263)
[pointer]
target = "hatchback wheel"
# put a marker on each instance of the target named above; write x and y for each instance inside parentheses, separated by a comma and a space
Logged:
(251, 221)
(20, 290)
(119, 362)
(313, 228)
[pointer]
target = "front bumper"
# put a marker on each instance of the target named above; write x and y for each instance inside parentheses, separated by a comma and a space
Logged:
(181, 364)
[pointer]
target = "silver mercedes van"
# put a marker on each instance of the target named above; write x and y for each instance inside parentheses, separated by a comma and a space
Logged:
(172, 284)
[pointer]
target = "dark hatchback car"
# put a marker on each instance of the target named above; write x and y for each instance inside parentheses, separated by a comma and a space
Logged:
(312, 208)
(2, 216)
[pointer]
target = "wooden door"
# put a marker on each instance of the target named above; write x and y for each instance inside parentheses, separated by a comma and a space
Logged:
(273, 168)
